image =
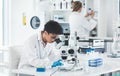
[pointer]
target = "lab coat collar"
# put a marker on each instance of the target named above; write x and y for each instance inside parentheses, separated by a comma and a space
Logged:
(76, 13)
(40, 38)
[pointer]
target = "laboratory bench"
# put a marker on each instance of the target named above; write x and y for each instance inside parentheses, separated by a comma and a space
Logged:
(109, 65)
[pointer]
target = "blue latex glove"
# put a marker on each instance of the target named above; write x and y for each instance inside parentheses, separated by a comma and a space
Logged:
(57, 63)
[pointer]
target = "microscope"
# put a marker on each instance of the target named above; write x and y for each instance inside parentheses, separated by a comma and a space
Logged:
(63, 39)
(68, 53)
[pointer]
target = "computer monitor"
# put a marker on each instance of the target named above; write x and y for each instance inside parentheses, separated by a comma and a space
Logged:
(66, 28)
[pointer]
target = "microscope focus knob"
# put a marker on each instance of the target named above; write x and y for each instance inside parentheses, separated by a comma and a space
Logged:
(78, 38)
(71, 51)
(64, 57)
(63, 51)
(73, 59)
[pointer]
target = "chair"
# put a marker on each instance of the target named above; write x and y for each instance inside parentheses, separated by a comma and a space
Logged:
(14, 58)
(15, 53)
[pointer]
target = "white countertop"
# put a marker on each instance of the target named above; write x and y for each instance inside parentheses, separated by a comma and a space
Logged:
(109, 65)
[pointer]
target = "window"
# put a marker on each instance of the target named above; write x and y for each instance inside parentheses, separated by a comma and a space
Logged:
(119, 7)
(1, 29)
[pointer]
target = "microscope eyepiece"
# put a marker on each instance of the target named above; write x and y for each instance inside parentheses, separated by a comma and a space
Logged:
(73, 59)
(58, 40)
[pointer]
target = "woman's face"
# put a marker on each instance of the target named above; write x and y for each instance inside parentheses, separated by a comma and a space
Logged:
(80, 10)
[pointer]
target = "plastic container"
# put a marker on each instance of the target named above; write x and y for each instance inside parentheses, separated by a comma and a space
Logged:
(40, 69)
(89, 10)
(93, 59)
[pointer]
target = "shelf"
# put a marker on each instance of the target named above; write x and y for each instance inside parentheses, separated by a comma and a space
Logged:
(62, 10)
(63, 21)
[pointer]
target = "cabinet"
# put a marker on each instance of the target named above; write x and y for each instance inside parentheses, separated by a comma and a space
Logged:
(60, 15)
(61, 10)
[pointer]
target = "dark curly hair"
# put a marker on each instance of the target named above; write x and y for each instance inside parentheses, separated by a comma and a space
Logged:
(53, 27)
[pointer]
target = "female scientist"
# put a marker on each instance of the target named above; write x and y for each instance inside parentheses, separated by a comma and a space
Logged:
(79, 23)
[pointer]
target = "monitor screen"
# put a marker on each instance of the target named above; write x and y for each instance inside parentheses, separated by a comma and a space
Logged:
(66, 28)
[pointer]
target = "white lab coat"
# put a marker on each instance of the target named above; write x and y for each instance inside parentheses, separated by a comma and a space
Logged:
(80, 24)
(36, 54)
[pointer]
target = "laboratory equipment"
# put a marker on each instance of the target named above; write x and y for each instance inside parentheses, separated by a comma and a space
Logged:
(94, 58)
(69, 59)
(63, 39)
(61, 4)
(59, 18)
(95, 62)
(98, 44)
(69, 55)
(116, 44)
(40, 69)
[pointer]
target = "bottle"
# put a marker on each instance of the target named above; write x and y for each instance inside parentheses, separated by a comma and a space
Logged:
(57, 5)
(68, 5)
(89, 10)
(95, 59)
(54, 5)
(116, 41)
(89, 13)
(63, 4)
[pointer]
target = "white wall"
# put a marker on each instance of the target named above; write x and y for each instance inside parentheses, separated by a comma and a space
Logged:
(109, 17)
(102, 23)
(112, 16)
(18, 32)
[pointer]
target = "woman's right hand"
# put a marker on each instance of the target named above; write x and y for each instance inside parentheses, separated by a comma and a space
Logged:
(92, 13)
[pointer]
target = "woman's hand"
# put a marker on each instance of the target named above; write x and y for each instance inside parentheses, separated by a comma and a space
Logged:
(92, 14)
(87, 15)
